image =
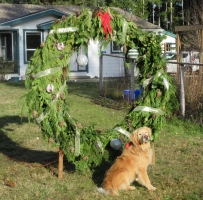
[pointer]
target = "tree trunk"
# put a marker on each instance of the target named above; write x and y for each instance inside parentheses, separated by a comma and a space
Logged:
(171, 16)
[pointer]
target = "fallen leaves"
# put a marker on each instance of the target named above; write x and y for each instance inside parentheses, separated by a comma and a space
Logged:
(9, 183)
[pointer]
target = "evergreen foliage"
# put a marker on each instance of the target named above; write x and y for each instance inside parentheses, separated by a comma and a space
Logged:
(49, 66)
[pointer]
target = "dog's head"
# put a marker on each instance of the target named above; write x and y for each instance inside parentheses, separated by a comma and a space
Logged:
(141, 136)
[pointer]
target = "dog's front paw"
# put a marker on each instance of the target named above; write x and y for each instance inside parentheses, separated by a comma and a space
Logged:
(130, 188)
(152, 188)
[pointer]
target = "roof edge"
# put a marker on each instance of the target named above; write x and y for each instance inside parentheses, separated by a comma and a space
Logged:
(33, 16)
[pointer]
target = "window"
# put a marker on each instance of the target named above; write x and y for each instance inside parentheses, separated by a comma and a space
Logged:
(33, 40)
(6, 46)
(8, 61)
(116, 48)
(170, 46)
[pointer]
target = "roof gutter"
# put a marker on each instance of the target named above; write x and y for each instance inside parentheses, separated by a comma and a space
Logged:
(5, 28)
(153, 30)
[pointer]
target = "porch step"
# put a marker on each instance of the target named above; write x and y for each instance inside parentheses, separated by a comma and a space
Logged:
(78, 77)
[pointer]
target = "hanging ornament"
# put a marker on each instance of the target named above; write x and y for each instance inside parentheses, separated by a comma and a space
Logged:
(50, 88)
(82, 60)
(42, 44)
(60, 46)
(35, 113)
(115, 144)
(133, 54)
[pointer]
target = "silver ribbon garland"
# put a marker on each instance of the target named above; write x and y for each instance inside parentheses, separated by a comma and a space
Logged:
(52, 71)
(41, 118)
(99, 144)
(77, 137)
(64, 30)
(90, 18)
(147, 81)
(125, 27)
(59, 93)
(47, 72)
(149, 109)
(123, 131)
(43, 115)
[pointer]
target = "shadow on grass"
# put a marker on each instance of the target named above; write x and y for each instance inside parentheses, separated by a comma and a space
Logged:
(20, 84)
(86, 89)
(47, 159)
(99, 171)
(15, 152)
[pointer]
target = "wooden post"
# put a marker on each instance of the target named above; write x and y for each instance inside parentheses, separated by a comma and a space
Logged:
(60, 164)
(132, 67)
(101, 75)
(201, 54)
(178, 49)
(182, 92)
(165, 48)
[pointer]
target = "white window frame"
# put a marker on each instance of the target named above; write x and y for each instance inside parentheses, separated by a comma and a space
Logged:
(25, 43)
(115, 50)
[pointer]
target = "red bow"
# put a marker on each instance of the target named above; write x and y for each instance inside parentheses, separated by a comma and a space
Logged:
(105, 18)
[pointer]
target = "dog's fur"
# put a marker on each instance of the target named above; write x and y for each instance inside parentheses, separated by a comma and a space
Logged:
(131, 165)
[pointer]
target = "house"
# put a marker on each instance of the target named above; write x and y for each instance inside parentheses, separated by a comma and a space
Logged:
(169, 43)
(23, 27)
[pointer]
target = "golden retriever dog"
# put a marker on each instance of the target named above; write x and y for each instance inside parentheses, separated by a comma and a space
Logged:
(131, 165)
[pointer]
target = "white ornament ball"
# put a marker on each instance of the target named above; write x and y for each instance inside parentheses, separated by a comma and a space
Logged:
(60, 46)
(82, 60)
(50, 88)
(115, 144)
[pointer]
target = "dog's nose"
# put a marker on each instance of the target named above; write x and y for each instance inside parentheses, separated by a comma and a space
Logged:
(145, 138)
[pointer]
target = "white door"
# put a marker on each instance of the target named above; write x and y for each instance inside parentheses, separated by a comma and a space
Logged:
(73, 63)
(74, 67)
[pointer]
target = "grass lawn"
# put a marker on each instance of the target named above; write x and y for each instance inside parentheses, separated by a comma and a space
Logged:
(29, 165)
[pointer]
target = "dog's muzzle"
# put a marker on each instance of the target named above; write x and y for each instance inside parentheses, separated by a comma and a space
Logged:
(145, 138)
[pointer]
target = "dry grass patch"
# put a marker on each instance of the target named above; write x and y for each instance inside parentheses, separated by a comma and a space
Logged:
(30, 163)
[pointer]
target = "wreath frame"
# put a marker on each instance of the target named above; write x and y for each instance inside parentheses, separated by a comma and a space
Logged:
(50, 65)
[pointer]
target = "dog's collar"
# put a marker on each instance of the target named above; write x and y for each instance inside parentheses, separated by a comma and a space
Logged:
(128, 145)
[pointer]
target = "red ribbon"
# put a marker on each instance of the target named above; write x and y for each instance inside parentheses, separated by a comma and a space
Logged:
(128, 145)
(106, 19)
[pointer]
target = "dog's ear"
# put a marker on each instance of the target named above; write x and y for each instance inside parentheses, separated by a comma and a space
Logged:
(133, 137)
(149, 131)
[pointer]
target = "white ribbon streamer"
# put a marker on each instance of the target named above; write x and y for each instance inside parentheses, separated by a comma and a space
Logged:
(125, 27)
(64, 30)
(47, 72)
(90, 18)
(41, 117)
(99, 144)
(58, 93)
(77, 143)
(149, 109)
(123, 131)
(77, 138)
(148, 81)
(166, 83)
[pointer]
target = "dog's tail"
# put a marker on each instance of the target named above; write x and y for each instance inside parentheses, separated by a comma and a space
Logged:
(103, 191)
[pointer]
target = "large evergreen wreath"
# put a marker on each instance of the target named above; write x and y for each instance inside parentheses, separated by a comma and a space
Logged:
(48, 71)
